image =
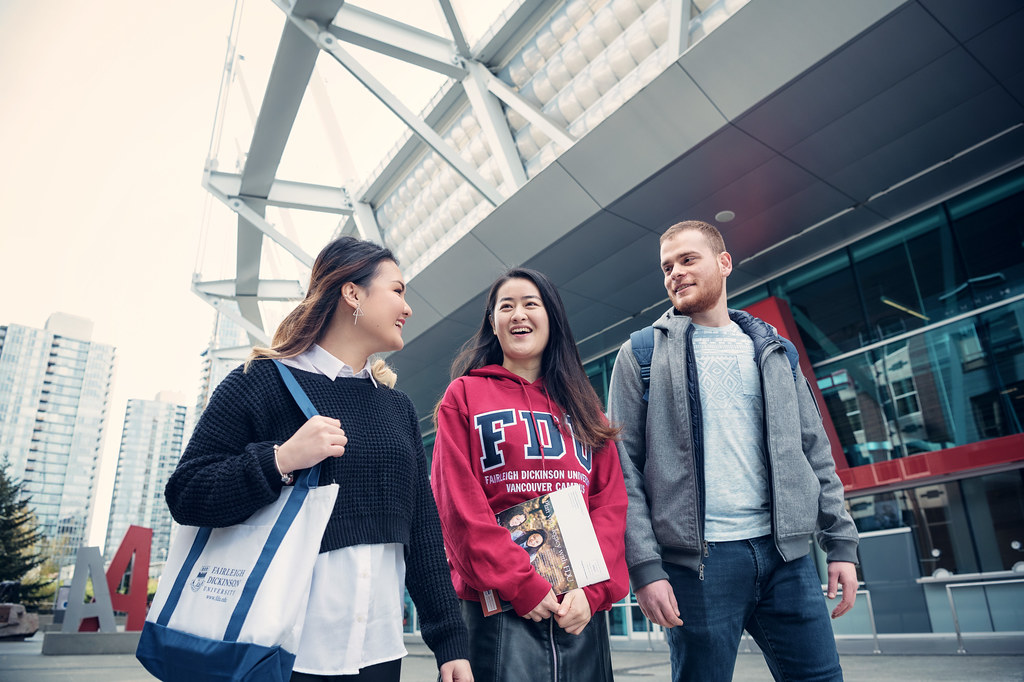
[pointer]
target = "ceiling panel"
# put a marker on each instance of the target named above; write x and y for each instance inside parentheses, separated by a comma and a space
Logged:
(457, 275)
(966, 19)
(951, 132)
(667, 197)
(785, 217)
(857, 72)
(541, 212)
(765, 44)
(1001, 155)
(472, 312)
(1000, 49)
(665, 119)
(424, 316)
(753, 193)
(945, 83)
(603, 279)
(586, 315)
(799, 250)
(590, 243)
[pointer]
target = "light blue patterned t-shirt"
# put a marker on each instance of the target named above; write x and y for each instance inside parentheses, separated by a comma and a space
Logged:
(735, 476)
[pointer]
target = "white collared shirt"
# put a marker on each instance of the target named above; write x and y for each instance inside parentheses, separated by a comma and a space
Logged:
(356, 602)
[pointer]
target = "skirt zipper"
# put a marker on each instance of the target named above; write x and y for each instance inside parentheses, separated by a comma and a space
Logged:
(554, 651)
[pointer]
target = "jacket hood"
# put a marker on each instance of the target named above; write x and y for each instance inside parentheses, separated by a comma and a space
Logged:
(759, 330)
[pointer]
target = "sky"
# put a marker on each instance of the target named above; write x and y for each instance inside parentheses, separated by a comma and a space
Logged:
(106, 110)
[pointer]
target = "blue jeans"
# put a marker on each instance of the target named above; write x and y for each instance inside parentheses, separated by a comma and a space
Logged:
(748, 586)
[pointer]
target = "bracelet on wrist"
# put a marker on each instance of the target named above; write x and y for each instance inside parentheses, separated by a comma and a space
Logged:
(286, 478)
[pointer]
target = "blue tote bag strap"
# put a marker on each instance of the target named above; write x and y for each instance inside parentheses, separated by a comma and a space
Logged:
(293, 387)
(306, 480)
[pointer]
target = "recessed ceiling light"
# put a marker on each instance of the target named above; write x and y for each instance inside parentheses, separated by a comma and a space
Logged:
(724, 216)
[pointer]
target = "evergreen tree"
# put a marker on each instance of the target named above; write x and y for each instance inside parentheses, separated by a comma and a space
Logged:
(19, 539)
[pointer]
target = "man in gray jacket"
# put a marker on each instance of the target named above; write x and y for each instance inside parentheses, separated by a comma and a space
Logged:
(729, 474)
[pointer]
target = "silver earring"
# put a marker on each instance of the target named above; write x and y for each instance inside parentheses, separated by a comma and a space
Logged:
(357, 313)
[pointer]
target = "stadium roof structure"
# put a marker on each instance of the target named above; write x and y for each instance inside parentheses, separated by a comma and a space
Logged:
(571, 134)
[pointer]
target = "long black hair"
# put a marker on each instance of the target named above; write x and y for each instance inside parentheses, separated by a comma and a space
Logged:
(561, 365)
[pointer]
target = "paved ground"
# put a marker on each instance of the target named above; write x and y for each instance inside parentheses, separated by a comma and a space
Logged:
(24, 662)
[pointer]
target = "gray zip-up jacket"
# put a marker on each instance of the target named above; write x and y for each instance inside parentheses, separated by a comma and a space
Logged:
(662, 454)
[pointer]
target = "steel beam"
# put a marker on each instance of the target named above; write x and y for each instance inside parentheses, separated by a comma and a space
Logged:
(266, 290)
(366, 222)
(393, 38)
(529, 111)
(461, 46)
(284, 193)
(330, 44)
(222, 306)
(492, 120)
(255, 219)
(289, 77)
(679, 26)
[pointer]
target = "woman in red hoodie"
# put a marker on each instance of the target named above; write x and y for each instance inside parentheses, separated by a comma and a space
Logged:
(520, 376)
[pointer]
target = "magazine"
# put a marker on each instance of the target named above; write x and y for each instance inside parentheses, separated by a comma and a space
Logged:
(556, 532)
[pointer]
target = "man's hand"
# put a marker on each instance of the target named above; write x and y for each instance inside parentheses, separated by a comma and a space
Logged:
(658, 602)
(545, 609)
(842, 574)
(456, 671)
(573, 613)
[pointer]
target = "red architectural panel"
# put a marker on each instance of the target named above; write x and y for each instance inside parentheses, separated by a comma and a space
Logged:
(927, 465)
(776, 312)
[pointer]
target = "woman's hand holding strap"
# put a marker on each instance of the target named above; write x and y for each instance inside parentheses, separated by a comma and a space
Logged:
(316, 440)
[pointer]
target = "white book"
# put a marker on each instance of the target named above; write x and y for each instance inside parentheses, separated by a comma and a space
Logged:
(555, 530)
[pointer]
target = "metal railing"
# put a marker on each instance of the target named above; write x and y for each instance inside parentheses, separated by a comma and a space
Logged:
(952, 605)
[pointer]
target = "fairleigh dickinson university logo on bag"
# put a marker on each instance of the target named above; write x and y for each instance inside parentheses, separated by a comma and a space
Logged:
(220, 582)
(197, 583)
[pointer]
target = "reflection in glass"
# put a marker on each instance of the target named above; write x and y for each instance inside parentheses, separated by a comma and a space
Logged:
(961, 527)
(957, 384)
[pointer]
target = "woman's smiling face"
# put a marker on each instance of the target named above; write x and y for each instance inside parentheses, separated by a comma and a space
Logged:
(521, 324)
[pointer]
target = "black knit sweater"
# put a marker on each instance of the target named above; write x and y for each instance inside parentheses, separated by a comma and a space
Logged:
(227, 473)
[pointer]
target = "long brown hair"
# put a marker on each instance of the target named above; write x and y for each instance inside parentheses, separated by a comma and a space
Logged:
(345, 259)
(561, 365)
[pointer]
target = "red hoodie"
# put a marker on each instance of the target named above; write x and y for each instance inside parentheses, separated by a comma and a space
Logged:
(486, 461)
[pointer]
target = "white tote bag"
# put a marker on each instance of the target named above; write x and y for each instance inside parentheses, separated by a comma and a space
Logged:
(231, 603)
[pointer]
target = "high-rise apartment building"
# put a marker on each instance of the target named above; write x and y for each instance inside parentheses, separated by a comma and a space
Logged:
(229, 346)
(151, 443)
(54, 394)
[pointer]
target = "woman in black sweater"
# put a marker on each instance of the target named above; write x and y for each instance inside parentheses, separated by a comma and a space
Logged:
(384, 531)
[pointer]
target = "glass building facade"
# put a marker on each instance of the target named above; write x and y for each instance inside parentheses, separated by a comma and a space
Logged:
(151, 444)
(915, 336)
(54, 396)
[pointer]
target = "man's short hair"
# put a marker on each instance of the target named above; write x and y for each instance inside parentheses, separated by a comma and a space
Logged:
(711, 234)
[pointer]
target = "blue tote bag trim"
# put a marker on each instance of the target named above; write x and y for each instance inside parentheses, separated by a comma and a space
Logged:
(186, 570)
(173, 655)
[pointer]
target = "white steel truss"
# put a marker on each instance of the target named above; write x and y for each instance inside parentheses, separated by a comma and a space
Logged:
(498, 108)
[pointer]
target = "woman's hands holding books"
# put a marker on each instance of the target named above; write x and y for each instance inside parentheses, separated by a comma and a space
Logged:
(573, 613)
(545, 609)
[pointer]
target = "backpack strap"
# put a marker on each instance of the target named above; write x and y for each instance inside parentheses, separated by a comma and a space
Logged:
(791, 354)
(642, 342)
